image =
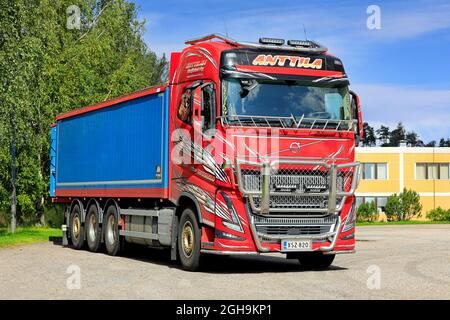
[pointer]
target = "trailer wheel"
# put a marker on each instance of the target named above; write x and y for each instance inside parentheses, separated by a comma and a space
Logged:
(315, 260)
(189, 235)
(112, 237)
(93, 231)
(76, 228)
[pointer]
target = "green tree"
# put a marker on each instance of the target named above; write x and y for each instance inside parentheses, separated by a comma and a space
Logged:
(370, 139)
(397, 135)
(444, 143)
(47, 69)
(412, 140)
(439, 214)
(411, 206)
(384, 134)
(367, 212)
(393, 208)
(404, 206)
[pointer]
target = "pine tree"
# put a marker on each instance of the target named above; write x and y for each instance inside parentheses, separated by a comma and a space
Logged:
(369, 135)
(384, 134)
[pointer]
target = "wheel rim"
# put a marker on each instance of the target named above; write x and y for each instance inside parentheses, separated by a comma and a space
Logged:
(92, 223)
(76, 227)
(188, 239)
(110, 232)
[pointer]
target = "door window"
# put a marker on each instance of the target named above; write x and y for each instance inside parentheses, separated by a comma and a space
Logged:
(185, 107)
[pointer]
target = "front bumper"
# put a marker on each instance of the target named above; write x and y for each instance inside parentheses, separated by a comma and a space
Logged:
(269, 225)
(265, 234)
(330, 236)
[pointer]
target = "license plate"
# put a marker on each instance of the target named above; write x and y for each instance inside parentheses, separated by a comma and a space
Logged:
(296, 245)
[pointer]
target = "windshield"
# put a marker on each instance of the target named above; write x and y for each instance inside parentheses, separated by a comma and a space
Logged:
(259, 101)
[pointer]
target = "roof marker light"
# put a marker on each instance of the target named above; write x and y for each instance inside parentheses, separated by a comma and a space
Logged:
(301, 43)
(275, 41)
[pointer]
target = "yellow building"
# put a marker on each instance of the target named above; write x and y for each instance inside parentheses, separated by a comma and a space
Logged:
(387, 170)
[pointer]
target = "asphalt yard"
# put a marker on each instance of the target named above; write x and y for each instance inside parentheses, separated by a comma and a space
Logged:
(392, 262)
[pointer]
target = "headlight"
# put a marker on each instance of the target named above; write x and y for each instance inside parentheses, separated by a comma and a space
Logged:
(351, 218)
(232, 226)
(234, 223)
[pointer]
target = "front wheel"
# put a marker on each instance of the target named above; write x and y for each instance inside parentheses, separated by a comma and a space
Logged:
(189, 235)
(315, 260)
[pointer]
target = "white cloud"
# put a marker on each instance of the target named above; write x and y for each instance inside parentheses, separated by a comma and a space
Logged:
(411, 21)
(342, 29)
(425, 111)
(248, 25)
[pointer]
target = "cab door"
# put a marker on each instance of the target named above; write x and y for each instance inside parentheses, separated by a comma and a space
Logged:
(195, 123)
(194, 167)
(203, 126)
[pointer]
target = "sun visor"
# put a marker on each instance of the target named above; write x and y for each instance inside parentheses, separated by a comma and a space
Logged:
(275, 66)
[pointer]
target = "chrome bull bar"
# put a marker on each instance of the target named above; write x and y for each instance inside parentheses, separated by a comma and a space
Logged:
(265, 193)
(329, 236)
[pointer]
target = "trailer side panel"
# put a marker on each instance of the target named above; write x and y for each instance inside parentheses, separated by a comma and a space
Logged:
(118, 151)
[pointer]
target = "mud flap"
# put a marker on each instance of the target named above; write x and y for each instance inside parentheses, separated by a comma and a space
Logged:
(173, 248)
(64, 227)
(65, 241)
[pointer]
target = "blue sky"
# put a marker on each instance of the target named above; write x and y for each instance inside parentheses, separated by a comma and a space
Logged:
(401, 71)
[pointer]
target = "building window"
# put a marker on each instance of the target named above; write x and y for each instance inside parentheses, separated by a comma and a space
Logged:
(381, 171)
(369, 171)
(369, 200)
(431, 171)
(359, 200)
(375, 171)
(380, 202)
(444, 171)
(421, 171)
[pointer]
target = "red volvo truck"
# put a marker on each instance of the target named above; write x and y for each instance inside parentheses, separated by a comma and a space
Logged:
(247, 149)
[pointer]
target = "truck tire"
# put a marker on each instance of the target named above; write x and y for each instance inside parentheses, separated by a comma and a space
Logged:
(189, 236)
(112, 236)
(315, 260)
(76, 228)
(93, 232)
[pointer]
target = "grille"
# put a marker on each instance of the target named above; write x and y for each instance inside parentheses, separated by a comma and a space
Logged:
(293, 202)
(290, 230)
(274, 226)
(296, 181)
(263, 220)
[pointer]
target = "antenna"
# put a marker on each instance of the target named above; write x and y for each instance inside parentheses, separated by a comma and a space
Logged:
(304, 30)
(226, 29)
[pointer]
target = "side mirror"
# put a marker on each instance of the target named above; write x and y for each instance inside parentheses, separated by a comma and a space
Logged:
(209, 107)
(357, 117)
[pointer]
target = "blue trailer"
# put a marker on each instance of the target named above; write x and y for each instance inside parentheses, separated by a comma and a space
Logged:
(117, 150)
